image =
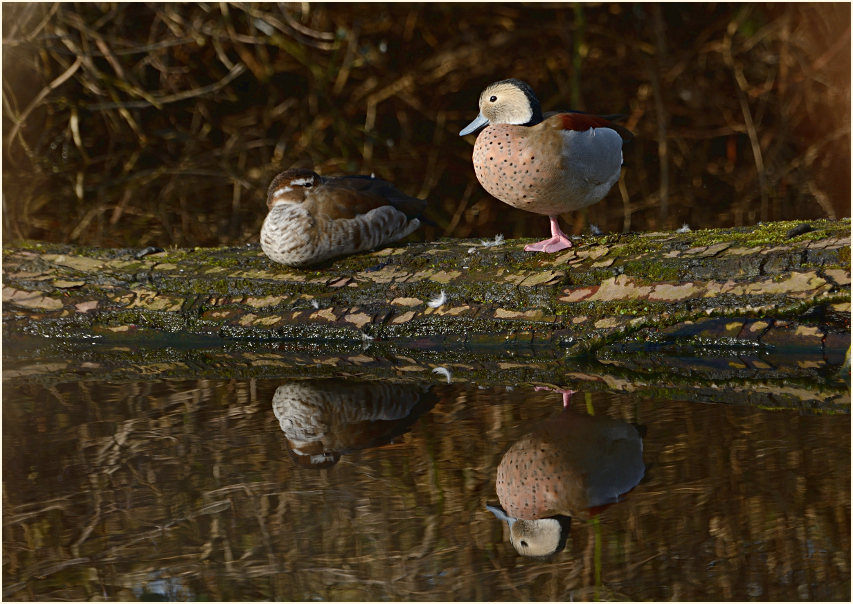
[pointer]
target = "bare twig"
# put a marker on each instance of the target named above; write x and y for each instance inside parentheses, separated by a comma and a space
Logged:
(235, 72)
(661, 115)
(742, 87)
(56, 83)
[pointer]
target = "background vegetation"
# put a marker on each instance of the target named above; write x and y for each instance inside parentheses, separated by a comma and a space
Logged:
(137, 124)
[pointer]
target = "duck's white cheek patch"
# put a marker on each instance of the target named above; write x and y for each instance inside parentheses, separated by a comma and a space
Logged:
(279, 196)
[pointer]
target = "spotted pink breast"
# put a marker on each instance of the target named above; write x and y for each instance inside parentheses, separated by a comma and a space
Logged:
(567, 464)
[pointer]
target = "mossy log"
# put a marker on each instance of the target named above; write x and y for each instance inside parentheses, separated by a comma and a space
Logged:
(776, 285)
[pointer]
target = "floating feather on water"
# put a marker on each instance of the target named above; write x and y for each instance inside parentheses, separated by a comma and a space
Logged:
(443, 371)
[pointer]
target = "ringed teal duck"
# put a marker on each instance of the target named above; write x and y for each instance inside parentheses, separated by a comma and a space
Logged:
(568, 464)
(547, 164)
(323, 419)
(313, 218)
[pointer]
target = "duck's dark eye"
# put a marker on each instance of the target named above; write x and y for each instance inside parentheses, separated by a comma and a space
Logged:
(493, 98)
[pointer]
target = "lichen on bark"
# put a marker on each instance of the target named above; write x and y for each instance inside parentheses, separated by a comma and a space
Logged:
(606, 289)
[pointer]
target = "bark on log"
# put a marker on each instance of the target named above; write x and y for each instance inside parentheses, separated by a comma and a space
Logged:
(775, 286)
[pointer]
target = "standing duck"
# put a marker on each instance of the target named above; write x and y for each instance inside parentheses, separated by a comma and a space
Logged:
(543, 164)
(314, 218)
(568, 464)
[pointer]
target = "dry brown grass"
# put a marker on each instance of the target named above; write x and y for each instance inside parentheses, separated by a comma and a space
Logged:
(132, 124)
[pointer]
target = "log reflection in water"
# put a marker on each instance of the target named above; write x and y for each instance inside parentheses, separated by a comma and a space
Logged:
(110, 488)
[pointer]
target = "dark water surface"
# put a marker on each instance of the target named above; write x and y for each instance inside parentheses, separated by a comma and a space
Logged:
(191, 490)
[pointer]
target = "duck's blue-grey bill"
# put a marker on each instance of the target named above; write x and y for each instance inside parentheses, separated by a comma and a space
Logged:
(478, 123)
(501, 515)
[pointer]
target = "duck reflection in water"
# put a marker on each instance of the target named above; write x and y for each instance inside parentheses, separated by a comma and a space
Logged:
(326, 418)
(567, 465)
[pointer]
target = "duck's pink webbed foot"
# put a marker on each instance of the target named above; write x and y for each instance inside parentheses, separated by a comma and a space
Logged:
(558, 241)
(549, 246)
(567, 394)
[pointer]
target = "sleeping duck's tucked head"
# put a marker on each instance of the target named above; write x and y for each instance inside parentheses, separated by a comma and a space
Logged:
(291, 186)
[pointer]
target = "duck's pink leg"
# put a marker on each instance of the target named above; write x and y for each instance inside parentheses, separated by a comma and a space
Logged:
(558, 241)
(567, 394)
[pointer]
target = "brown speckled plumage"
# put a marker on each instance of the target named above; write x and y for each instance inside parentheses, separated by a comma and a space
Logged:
(564, 162)
(312, 218)
(567, 464)
(323, 419)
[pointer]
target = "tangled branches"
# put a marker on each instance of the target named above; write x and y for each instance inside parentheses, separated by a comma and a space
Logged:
(132, 124)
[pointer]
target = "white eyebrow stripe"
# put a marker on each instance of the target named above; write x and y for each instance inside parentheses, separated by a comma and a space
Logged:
(301, 182)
